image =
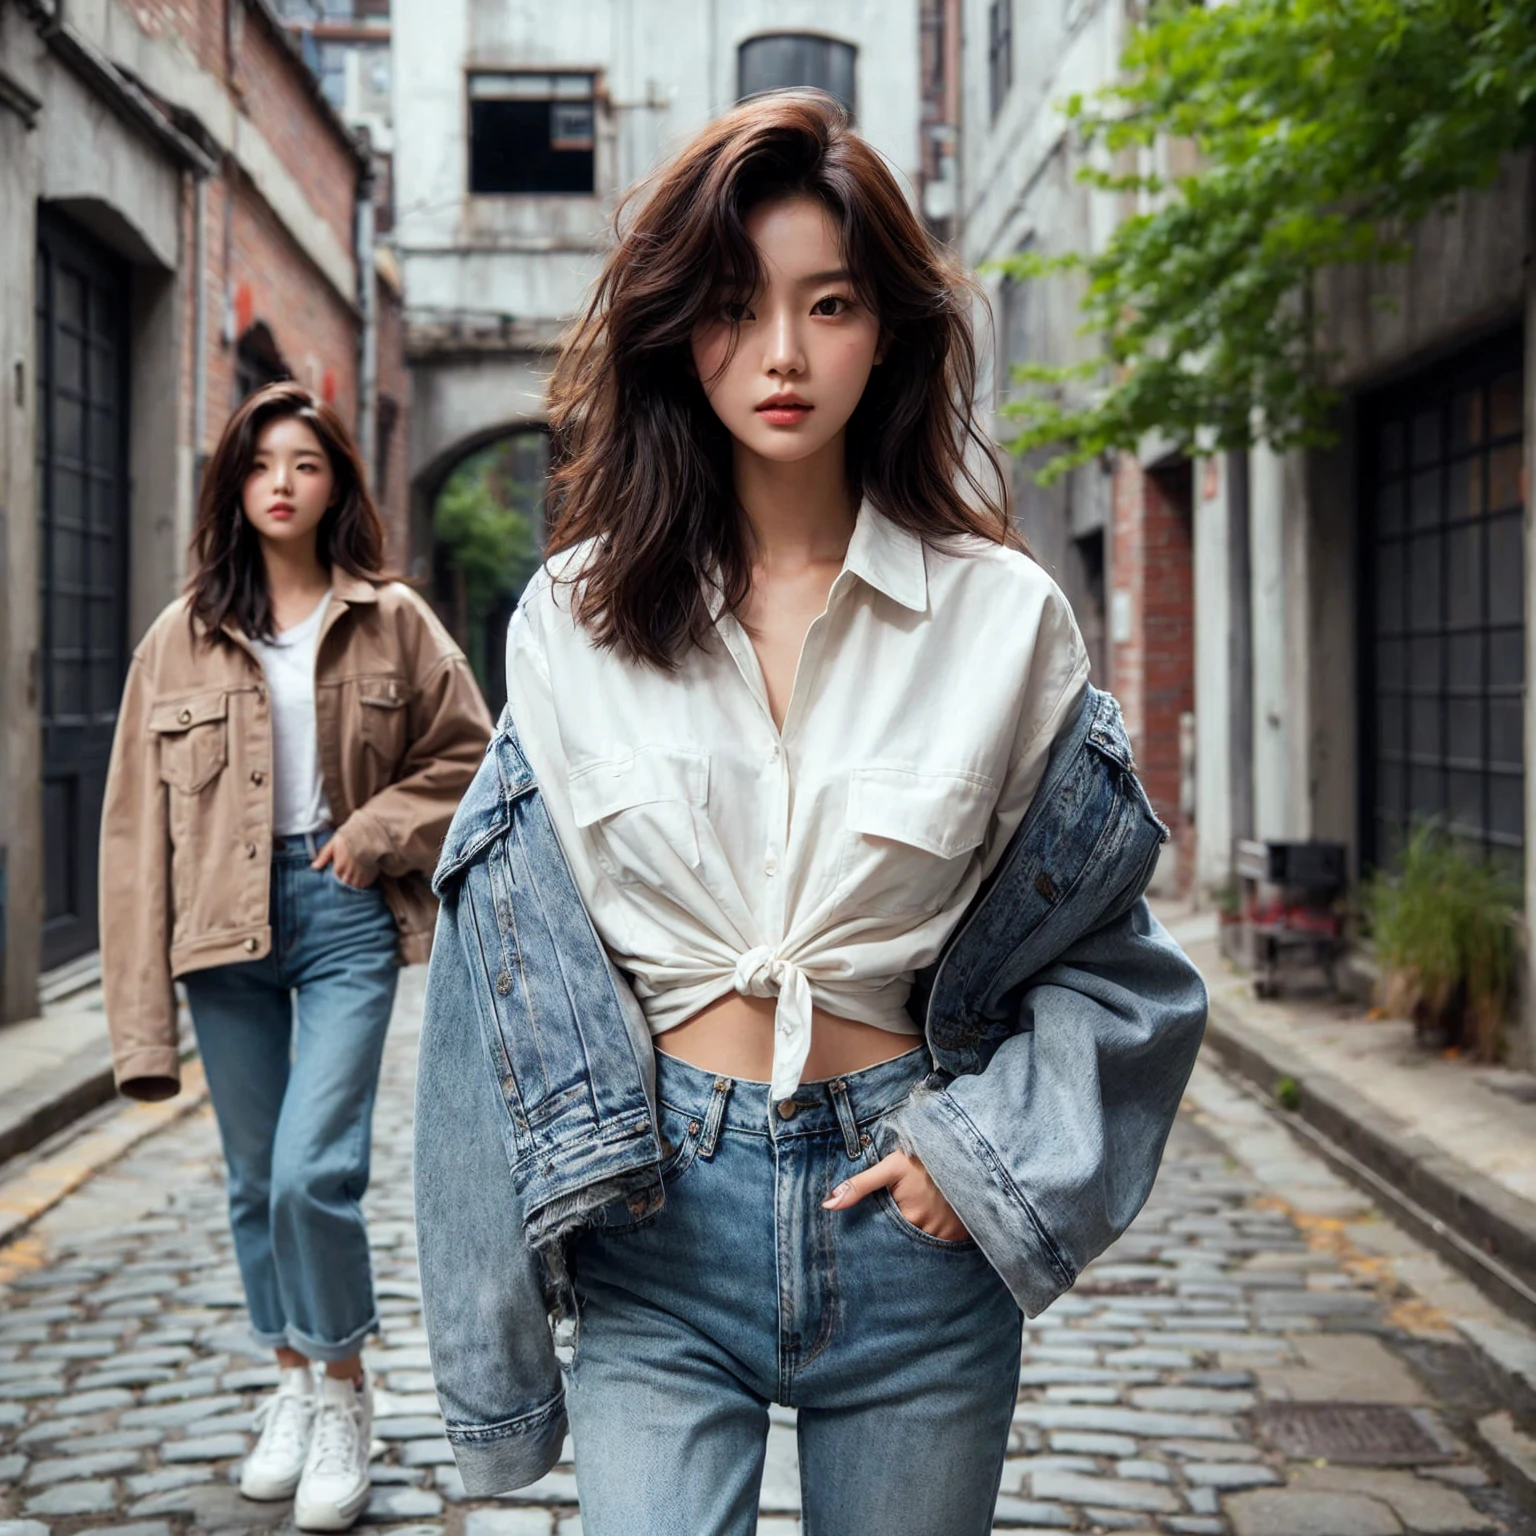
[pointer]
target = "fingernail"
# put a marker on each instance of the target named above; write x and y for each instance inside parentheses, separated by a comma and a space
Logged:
(835, 1198)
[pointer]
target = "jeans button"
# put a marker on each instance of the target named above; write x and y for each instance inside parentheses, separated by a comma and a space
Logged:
(787, 1108)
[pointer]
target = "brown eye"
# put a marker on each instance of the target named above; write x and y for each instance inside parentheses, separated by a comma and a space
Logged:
(734, 313)
(833, 305)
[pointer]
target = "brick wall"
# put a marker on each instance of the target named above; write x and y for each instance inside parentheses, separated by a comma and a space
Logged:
(1153, 671)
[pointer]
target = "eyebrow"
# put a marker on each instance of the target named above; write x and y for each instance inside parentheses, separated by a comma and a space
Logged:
(815, 279)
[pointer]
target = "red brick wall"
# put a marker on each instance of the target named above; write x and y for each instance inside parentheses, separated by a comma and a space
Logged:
(1153, 672)
(278, 93)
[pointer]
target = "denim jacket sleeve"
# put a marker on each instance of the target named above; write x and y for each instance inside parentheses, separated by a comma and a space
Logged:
(1066, 1027)
(493, 1355)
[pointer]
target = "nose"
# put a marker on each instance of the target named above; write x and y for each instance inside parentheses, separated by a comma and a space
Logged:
(282, 476)
(784, 354)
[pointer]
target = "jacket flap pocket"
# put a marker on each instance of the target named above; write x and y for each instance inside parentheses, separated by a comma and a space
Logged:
(177, 715)
(382, 692)
(648, 774)
(942, 813)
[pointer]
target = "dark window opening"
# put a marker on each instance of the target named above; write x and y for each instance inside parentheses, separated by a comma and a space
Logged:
(258, 362)
(532, 133)
(999, 52)
(1444, 606)
(790, 60)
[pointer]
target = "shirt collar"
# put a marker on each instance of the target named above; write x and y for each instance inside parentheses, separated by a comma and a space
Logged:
(886, 556)
(889, 558)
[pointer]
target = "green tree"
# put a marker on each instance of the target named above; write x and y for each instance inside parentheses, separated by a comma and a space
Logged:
(488, 517)
(1324, 129)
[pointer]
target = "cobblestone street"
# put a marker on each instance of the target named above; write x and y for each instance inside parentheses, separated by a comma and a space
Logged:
(1186, 1385)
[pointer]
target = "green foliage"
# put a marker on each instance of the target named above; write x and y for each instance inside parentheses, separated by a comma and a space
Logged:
(488, 516)
(1444, 927)
(1324, 130)
(1288, 1093)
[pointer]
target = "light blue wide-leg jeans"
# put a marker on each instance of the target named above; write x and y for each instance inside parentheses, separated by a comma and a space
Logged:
(291, 1045)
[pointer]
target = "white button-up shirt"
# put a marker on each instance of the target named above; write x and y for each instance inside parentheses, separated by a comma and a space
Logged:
(825, 863)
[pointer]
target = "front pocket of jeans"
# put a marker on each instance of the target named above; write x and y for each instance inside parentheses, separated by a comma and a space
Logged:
(886, 1203)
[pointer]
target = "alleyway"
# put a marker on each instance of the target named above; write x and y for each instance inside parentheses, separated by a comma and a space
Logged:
(1153, 1398)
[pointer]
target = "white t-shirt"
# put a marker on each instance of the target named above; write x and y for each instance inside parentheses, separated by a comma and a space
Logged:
(288, 659)
(824, 864)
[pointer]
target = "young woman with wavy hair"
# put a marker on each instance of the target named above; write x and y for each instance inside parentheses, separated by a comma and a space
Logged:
(294, 736)
(788, 688)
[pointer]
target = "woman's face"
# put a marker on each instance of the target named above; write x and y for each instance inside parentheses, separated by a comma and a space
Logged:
(290, 484)
(805, 344)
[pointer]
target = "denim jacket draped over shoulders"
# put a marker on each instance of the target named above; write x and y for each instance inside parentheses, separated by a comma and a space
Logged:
(1061, 1019)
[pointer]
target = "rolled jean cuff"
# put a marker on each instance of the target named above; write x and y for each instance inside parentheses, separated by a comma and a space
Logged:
(270, 1338)
(315, 1349)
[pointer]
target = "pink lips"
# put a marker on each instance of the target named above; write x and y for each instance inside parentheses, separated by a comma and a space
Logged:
(280, 510)
(784, 410)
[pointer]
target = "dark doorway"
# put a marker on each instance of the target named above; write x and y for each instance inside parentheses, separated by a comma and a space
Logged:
(82, 478)
(1443, 719)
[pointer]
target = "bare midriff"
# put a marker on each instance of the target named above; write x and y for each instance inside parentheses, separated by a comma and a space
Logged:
(734, 1037)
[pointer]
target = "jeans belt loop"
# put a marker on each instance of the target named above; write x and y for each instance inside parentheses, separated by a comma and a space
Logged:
(711, 1136)
(838, 1088)
(310, 848)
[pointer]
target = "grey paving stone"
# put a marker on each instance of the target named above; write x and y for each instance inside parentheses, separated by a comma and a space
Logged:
(249, 1378)
(426, 1453)
(100, 1401)
(1229, 1475)
(204, 1448)
(179, 1390)
(1085, 1443)
(31, 1389)
(23, 1528)
(167, 1479)
(138, 1528)
(1192, 1400)
(176, 1415)
(12, 1414)
(1143, 1471)
(553, 1488)
(129, 1376)
(1196, 1525)
(1125, 1421)
(98, 1464)
(12, 1467)
(1032, 1514)
(1104, 1492)
(411, 1427)
(390, 1504)
(1298, 1512)
(93, 1497)
(1208, 1450)
(509, 1522)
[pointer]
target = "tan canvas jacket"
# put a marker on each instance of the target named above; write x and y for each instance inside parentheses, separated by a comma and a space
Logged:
(186, 831)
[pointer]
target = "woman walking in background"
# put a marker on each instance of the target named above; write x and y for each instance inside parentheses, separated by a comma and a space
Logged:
(294, 735)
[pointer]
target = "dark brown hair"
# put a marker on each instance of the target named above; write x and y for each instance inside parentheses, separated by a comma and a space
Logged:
(229, 576)
(641, 462)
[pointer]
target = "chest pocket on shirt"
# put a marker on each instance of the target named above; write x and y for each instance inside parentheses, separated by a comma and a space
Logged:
(639, 812)
(910, 838)
(382, 702)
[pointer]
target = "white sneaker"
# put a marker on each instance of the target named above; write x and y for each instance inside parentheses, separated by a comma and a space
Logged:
(334, 1486)
(272, 1470)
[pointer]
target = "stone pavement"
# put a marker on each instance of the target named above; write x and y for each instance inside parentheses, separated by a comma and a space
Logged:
(1191, 1382)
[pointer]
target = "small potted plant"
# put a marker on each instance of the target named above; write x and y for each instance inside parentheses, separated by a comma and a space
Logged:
(1444, 926)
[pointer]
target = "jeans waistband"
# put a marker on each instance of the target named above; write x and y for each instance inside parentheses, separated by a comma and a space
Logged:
(815, 1109)
(292, 847)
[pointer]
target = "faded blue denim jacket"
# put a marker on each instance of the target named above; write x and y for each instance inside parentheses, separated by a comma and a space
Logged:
(1062, 1020)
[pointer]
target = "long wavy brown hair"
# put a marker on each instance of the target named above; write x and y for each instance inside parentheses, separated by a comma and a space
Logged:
(642, 465)
(229, 576)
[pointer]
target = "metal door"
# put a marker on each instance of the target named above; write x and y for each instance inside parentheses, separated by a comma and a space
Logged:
(83, 554)
(1443, 714)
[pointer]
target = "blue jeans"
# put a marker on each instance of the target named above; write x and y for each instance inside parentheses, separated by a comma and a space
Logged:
(293, 1091)
(900, 1350)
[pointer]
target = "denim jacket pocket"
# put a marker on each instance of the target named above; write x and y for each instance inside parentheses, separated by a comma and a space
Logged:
(194, 740)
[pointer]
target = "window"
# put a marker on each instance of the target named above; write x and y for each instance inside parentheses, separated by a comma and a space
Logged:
(257, 362)
(789, 59)
(531, 133)
(999, 52)
(1443, 707)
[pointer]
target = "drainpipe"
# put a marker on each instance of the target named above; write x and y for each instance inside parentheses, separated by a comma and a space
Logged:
(368, 307)
(199, 332)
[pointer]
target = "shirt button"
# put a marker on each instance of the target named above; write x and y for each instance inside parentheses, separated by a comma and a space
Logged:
(787, 1108)
(184, 717)
(257, 776)
(773, 753)
(770, 865)
(251, 946)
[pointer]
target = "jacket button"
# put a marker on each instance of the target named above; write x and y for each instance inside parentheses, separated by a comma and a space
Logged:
(250, 853)
(185, 717)
(257, 776)
(787, 1108)
(251, 946)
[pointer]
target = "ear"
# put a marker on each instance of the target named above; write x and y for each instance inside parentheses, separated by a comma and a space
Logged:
(882, 350)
